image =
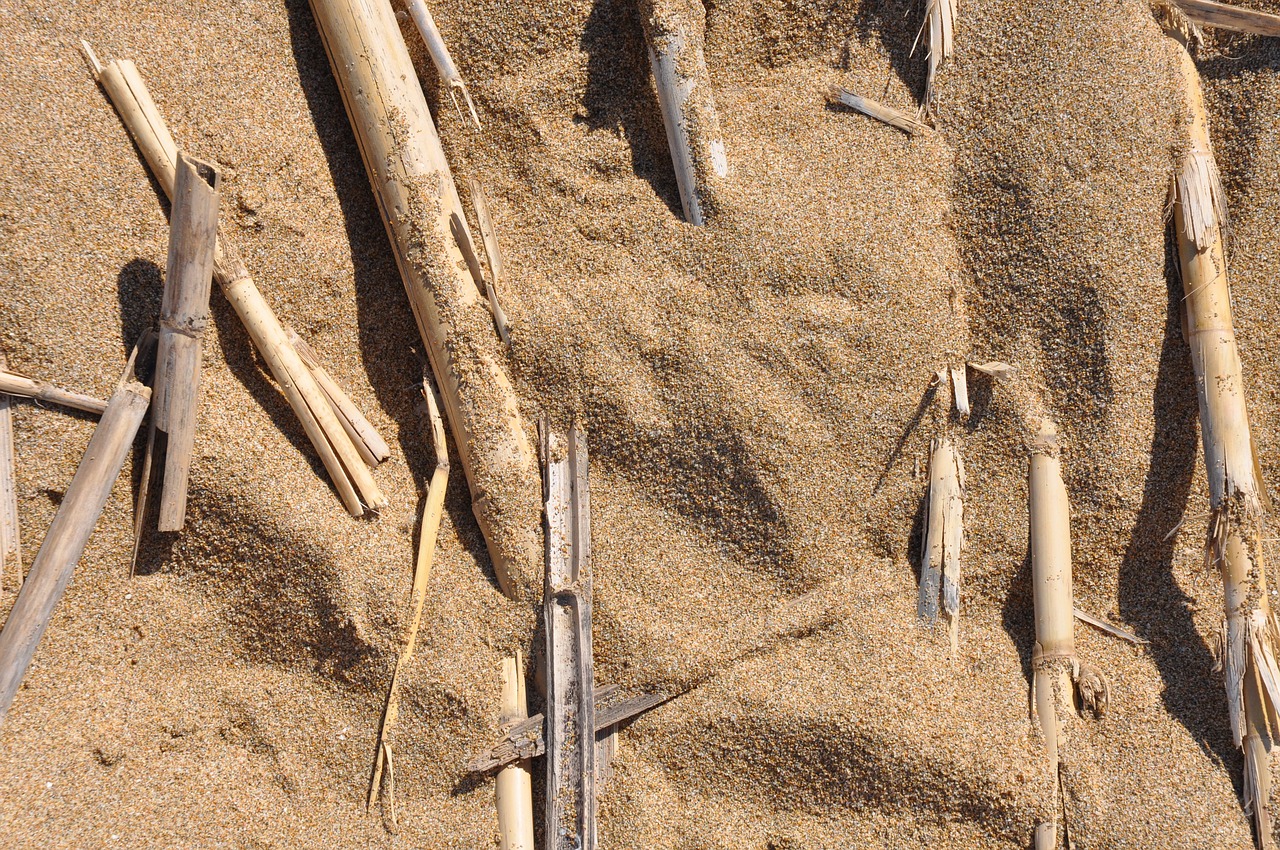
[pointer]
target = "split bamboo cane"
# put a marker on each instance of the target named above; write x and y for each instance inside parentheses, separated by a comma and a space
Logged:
(944, 538)
(440, 56)
(417, 197)
(1237, 499)
(432, 511)
(12, 383)
(940, 21)
(10, 548)
(69, 532)
(366, 438)
(675, 31)
(514, 790)
(351, 478)
(184, 314)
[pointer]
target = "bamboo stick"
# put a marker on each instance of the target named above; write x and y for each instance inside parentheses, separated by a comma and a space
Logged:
(184, 314)
(1229, 17)
(497, 272)
(11, 383)
(908, 124)
(69, 533)
(432, 511)
(514, 789)
(356, 487)
(373, 449)
(10, 547)
(1237, 499)
(571, 796)
(675, 30)
(417, 197)
(440, 56)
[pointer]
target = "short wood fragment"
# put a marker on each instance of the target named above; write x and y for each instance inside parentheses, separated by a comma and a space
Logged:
(69, 532)
(1110, 628)
(571, 721)
(11, 383)
(995, 369)
(675, 31)
(514, 790)
(497, 273)
(908, 124)
(432, 511)
(10, 548)
(351, 478)
(366, 438)
(440, 56)
(944, 538)
(1230, 17)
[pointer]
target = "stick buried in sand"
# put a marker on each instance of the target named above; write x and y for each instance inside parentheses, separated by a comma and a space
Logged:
(418, 200)
(69, 532)
(513, 791)
(11, 383)
(1059, 676)
(366, 438)
(356, 487)
(675, 31)
(440, 56)
(571, 780)
(1225, 16)
(184, 314)
(432, 510)
(1237, 500)
(10, 548)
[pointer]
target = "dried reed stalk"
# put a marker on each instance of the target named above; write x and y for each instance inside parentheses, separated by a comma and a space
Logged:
(10, 546)
(184, 314)
(1228, 17)
(363, 435)
(1237, 499)
(432, 510)
(418, 199)
(908, 124)
(440, 56)
(1109, 628)
(11, 383)
(940, 21)
(497, 273)
(571, 781)
(944, 538)
(675, 31)
(356, 487)
(514, 789)
(69, 532)
(1059, 676)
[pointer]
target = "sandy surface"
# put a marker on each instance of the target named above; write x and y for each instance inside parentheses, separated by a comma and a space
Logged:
(756, 398)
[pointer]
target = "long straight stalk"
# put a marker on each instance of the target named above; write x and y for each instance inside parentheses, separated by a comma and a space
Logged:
(675, 31)
(12, 383)
(416, 194)
(366, 438)
(514, 789)
(68, 535)
(1237, 499)
(440, 55)
(351, 478)
(10, 548)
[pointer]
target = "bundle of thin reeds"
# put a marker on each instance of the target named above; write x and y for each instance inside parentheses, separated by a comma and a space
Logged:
(675, 31)
(416, 194)
(69, 532)
(1237, 498)
(363, 435)
(356, 487)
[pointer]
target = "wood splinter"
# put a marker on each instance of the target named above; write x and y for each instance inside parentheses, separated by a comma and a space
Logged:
(69, 532)
(908, 124)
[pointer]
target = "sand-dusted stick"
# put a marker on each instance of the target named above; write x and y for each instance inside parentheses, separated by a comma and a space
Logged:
(11, 383)
(184, 314)
(1237, 498)
(908, 124)
(417, 197)
(69, 532)
(366, 438)
(351, 478)
(432, 511)
(675, 31)
(1225, 16)
(497, 272)
(10, 548)
(1059, 676)
(513, 791)
(940, 21)
(440, 56)
(571, 721)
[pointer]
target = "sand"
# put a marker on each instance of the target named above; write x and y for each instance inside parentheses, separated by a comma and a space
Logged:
(756, 399)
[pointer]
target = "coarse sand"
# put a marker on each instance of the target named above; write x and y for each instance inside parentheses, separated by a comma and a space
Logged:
(756, 394)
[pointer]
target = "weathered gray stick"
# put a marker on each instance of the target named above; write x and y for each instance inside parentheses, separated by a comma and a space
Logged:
(12, 383)
(184, 314)
(675, 30)
(571, 723)
(367, 441)
(10, 550)
(69, 533)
